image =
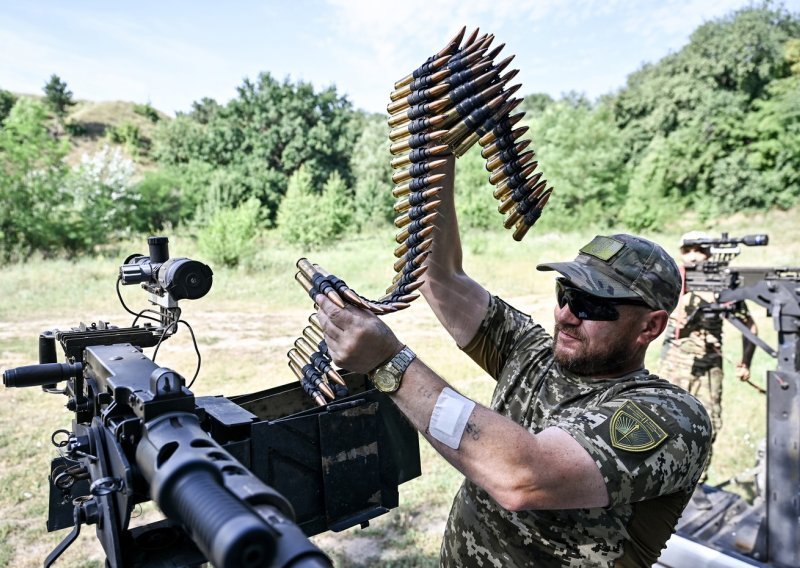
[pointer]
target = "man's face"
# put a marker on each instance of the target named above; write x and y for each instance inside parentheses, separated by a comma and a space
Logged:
(596, 348)
(692, 256)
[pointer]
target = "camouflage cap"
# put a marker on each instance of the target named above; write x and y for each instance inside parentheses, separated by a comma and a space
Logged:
(624, 266)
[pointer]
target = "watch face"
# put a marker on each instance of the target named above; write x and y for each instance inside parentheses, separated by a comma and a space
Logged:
(385, 380)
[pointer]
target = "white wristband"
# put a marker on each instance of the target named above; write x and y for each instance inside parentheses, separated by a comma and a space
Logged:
(449, 418)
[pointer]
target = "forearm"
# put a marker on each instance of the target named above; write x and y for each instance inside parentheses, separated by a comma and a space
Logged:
(748, 347)
(518, 469)
(457, 300)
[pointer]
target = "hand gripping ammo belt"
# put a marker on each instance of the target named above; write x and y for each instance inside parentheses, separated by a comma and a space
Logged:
(458, 97)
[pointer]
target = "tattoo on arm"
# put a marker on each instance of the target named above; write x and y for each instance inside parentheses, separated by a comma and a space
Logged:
(473, 430)
(426, 392)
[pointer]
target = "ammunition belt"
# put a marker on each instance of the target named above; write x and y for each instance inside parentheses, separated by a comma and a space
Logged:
(456, 98)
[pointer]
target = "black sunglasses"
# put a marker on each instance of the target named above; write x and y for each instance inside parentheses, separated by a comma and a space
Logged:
(587, 306)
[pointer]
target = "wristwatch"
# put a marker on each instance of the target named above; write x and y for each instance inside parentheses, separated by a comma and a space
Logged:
(386, 377)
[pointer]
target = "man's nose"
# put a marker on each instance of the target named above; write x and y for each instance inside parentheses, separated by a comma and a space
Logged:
(564, 315)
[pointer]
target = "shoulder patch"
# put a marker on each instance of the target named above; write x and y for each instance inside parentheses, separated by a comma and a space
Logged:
(603, 247)
(634, 431)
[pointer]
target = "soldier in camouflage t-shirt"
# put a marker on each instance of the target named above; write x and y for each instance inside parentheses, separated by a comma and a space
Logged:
(648, 438)
(583, 458)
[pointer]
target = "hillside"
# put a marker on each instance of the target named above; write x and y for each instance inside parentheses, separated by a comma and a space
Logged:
(101, 119)
(92, 124)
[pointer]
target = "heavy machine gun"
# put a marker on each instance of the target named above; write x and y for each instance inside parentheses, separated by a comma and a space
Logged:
(732, 532)
(241, 481)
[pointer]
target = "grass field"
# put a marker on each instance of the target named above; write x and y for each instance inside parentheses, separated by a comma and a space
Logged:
(248, 322)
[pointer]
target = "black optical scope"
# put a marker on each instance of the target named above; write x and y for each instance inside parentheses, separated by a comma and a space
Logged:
(726, 241)
(182, 278)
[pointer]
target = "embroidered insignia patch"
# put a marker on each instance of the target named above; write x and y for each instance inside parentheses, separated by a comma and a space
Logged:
(603, 247)
(634, 431)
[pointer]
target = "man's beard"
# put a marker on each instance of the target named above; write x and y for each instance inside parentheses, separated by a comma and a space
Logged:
(588, 362)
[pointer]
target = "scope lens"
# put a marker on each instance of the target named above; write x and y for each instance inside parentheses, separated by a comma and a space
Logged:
(184, 278)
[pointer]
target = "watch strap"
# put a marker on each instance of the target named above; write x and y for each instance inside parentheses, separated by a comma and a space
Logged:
(403, 359)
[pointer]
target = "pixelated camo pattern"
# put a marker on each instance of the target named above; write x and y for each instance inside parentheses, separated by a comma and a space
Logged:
(648, 490)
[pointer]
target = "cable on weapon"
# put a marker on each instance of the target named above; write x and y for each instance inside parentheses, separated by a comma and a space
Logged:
(130, 311)
(164, 334)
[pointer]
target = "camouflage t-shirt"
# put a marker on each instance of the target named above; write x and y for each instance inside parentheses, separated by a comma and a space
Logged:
(649, 438)
(695, 346)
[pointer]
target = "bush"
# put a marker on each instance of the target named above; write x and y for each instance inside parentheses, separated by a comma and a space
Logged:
(129, 135)
(475, 205)
(31, 179)
(7, 101)
(164, 200)
(228, 237)
(147, 111)
(104, 202)
(75, 128)
(308, 218)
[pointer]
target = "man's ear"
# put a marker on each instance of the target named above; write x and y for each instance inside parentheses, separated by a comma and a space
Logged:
(653, 325)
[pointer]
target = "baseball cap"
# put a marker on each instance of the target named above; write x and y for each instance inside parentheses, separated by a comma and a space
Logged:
(624, 266)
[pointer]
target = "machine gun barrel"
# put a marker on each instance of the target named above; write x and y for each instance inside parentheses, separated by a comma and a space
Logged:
(233, 517)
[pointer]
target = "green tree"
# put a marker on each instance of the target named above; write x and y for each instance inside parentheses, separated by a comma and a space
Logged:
(373, 174)
(228, 236)
(266, 133)
(704, 127)
(310, 218)
(475, 206)
(336, 204)
(58, 97)
(32, 171)
(581, 156)
(7, 101)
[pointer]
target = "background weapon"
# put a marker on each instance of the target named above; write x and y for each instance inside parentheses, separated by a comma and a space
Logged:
(732, 532)
(242, 481)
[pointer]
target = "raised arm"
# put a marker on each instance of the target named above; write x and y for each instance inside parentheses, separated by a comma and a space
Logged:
(458, 301)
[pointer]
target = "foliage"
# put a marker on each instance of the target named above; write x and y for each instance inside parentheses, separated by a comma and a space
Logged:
(372, 174)
(146, 110)
(311, 218)
(49, 208)
(31, 174)
(580, 154)
(102, 202)
(337, 205)
(475, 206)
(7, 101)
(264, 135)
(162, 201)
(227, 238)
(129, 135)
(58, 97)
(536, 103)
(714, 126)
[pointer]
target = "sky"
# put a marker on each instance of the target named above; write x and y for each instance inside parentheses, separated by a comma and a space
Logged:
(171, 53)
